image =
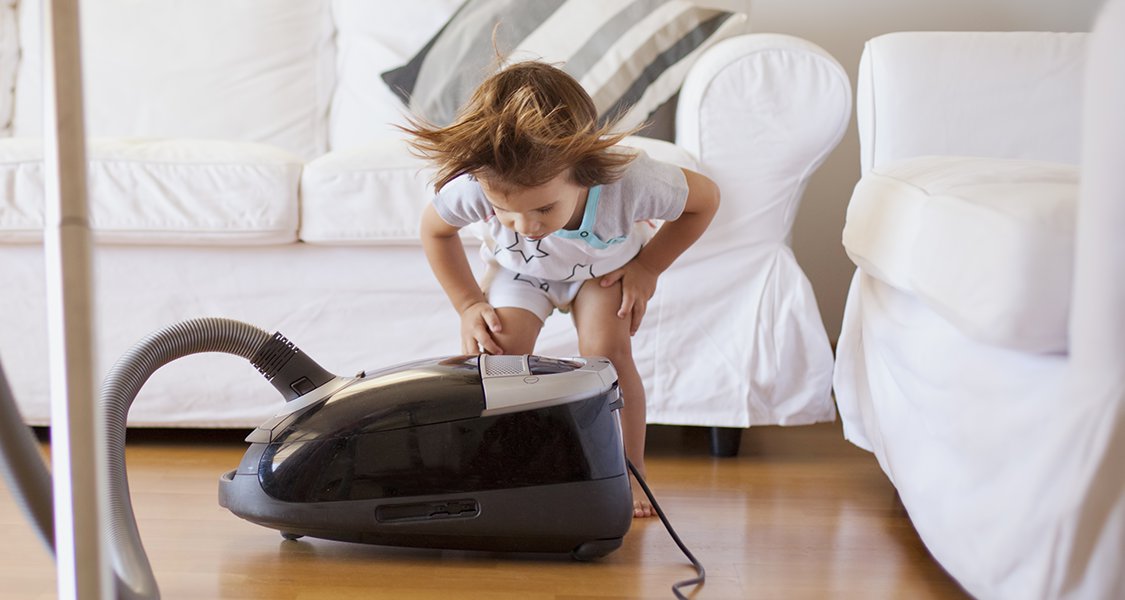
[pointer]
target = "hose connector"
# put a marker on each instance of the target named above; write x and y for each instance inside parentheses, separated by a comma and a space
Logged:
(290, 371)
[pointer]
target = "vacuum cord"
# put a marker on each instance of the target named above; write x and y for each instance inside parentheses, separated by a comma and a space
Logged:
(675, 537)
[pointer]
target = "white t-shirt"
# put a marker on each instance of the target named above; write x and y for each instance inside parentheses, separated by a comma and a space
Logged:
(615, 224)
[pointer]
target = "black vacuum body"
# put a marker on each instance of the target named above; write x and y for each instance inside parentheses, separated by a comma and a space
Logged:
(495, 453)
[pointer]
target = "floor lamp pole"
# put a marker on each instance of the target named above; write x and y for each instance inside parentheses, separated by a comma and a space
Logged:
(80, 479)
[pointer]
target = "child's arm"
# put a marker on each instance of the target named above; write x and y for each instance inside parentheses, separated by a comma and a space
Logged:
(446, 256)
(638, 277)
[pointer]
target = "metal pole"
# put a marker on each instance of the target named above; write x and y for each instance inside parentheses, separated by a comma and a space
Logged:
(79, 477)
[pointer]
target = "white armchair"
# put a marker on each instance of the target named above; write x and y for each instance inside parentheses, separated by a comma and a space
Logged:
(981, 356)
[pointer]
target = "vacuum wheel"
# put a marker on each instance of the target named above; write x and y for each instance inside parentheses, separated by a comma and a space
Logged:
(291, 536)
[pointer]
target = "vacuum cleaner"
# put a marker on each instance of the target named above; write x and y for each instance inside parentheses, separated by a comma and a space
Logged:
(496, 453)
(500, 453)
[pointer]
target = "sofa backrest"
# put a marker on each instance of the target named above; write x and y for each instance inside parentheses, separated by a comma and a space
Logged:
(993, 94)
(301, 75)
(252, 70)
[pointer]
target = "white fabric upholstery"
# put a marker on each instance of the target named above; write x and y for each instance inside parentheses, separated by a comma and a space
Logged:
(369, 194)
(974, 438)
(789, 100)
(996, 94)
(375, 194)
(254, 70)
(1098, 321)
(369, 41)
(1008, 459)
(244, 211)
(797, 91)
(163, 192)
(350, 308)
(975, 239)
(9, 62)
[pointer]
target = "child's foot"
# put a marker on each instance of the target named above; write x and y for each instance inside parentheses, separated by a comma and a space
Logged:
(642, 508)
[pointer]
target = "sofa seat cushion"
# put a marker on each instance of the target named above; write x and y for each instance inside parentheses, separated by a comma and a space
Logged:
(161, 192)
(371, 194)
(374, 194)
(987, 243)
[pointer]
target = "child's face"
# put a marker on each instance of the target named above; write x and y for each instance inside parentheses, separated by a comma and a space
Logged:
(539, 211)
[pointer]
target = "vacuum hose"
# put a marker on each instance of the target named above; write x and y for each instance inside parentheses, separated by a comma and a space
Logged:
(286, 367)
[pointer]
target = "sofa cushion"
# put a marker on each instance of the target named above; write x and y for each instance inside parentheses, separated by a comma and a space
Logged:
(205, 69)
(367, 195)
(630, 56)
(375, 194)
(988, 243)
(371, 39)
(161, 192)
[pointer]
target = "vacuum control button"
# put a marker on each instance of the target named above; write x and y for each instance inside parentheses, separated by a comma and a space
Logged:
(531, 380)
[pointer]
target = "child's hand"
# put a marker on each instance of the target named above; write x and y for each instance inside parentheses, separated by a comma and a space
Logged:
(638, 284)
(478, 322)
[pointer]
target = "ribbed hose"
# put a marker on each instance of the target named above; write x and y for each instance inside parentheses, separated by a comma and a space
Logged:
(290, 371)
(122, 384)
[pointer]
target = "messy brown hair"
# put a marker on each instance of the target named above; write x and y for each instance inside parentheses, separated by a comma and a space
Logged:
(522, 127)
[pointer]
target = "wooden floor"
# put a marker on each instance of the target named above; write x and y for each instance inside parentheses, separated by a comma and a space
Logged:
(800, 513)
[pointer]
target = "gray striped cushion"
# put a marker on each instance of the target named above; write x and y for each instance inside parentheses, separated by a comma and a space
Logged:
(630, 55)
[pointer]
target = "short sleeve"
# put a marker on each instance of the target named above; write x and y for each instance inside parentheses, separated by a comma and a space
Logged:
(461, 202)
(648, 189)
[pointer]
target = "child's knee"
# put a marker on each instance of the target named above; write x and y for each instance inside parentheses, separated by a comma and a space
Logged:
(620, 354)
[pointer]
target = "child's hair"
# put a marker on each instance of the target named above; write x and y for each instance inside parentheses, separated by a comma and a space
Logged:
(522, 127)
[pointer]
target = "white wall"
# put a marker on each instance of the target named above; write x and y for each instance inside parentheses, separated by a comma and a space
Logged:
(841, 27)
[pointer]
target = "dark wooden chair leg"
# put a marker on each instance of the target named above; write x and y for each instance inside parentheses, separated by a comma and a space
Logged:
(725, 441)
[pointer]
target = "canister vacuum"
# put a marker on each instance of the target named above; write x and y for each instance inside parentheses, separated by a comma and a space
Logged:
(495, 453)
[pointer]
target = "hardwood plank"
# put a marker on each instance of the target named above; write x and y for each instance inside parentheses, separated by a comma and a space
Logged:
(800, 513)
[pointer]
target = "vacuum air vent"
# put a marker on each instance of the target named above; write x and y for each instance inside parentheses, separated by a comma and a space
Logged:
(502, 366)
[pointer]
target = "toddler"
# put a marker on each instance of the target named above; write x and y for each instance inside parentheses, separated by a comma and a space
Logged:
(568, 215)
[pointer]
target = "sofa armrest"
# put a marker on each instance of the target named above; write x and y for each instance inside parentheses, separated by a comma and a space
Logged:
(760, 113)
(989, 94)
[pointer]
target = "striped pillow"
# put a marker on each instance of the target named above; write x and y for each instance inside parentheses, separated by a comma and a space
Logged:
(630, 55)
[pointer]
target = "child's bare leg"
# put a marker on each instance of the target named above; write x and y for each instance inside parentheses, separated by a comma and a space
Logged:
(633, 427)
(519, 328)
(602, 333)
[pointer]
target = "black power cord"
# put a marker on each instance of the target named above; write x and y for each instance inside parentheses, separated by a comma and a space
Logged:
(675, 537)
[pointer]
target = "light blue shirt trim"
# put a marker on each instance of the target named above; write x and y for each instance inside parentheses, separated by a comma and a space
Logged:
(585, 231)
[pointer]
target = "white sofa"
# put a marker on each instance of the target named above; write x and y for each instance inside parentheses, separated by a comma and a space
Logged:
(981, 351)
(243, 164)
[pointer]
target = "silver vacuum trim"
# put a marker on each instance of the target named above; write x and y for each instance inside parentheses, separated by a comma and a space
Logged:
(510, 386)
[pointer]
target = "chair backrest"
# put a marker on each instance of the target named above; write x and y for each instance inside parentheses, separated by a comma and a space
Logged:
(1097, 321)
(994, 94)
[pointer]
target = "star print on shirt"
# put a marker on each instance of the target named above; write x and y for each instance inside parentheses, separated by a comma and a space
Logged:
(586, 270)
(533, 281)
(527, 257)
